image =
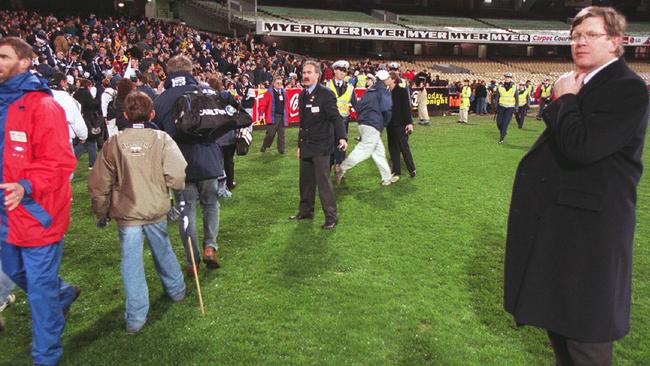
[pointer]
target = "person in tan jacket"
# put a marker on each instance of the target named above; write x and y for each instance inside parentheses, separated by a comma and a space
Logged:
(130, 183)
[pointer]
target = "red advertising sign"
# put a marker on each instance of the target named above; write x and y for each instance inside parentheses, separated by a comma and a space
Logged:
(291, 106)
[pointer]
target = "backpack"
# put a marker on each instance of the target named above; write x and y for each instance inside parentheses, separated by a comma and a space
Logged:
(204, 116)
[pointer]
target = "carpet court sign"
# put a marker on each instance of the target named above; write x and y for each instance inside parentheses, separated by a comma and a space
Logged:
(442, 34)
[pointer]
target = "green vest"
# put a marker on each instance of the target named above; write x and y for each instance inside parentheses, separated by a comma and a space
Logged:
(523, 97)
(361, 81)
(464, 97)
(507, 97)
(343, 100)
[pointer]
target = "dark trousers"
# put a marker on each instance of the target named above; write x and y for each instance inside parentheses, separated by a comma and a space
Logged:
(228, 153)
(398, 143)
(338, 156)
(315, 172)
(542, 105)
(271, 130)
(504, 116)
(521, 115)
(569, 352)
(91, 147)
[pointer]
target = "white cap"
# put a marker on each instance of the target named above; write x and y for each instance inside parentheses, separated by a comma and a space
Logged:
(507, 75)
(393, 65)
(341, 63)
(371, 77)
(382, 75)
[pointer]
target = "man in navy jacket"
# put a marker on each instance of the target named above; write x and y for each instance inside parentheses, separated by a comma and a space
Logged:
(204, 166)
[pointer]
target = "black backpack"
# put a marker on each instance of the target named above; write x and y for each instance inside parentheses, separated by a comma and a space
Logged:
(201, 115)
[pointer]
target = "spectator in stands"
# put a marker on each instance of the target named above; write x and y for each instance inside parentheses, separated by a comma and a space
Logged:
(246, 91)
(373, 114)
(399, 128)
(465, 94)
(36, 195)
(545, 91)
(506, 100)
(481, 95)
(274, 115)
(320, 126)
(130, 185)
(204, 167)
(568, 261)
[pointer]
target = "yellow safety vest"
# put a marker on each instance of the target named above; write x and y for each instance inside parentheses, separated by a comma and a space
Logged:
(343, 100)
(546, 91)
(464, 97)
(523, 97)
(361, 81)
(346, 78)
(507, 97)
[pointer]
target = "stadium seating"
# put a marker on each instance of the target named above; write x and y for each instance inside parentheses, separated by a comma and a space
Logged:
(525, 24)
(418, 21)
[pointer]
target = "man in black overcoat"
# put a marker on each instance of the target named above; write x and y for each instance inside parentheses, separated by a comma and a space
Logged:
(320, 126)
(568, 260)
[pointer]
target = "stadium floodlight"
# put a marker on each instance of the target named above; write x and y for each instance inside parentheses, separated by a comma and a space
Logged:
(120, 4)
(487, 1)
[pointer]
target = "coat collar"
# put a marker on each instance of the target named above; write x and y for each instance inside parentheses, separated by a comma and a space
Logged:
(593, 84)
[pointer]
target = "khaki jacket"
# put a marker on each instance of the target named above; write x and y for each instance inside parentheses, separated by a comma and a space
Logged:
(130, 180)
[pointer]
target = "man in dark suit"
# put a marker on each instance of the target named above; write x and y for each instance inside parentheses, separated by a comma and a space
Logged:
(569, 247)
(400, 127)
(320, 125)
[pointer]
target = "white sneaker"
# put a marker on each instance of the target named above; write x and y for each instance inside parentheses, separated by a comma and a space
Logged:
(393, 178)
(8, 301)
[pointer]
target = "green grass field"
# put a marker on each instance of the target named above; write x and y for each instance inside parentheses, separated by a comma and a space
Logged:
(412, 274)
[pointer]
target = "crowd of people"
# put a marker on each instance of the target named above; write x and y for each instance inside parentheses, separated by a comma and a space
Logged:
(111, 87)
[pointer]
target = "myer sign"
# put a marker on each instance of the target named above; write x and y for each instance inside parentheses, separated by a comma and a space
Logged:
(442, 35)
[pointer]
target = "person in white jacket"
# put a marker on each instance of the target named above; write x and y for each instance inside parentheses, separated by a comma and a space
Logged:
(72, 108)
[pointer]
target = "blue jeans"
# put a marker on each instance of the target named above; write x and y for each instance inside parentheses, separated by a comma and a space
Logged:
(205, 191)
(91, 147)
(481, 105)
(36, 271)
(135, 283)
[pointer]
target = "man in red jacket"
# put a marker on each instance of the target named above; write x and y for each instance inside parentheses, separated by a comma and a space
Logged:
(35, 167)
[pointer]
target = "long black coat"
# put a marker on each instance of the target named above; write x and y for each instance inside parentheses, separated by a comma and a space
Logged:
(401, 115)
(572, 216)
(321, 124)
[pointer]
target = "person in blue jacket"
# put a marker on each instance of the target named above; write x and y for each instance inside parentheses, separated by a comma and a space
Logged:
(373, 114)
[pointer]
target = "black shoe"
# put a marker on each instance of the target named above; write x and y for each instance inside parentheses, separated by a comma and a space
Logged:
(412, 174)
(231, 186)
(263, 149)
(357, 139)
(66, 310)
(500, 141)
(329, 225)
(299, 217)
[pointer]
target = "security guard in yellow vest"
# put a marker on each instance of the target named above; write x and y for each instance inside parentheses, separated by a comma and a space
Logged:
(361, 80)
(465, 95)
(506, 102)
(345, 96)
(546, 90)
(522, 104)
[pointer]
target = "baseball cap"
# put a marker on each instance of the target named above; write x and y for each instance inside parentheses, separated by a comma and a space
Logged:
(382, 75)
